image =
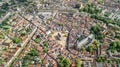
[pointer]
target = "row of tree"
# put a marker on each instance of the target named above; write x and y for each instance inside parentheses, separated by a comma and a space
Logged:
(45, 47)
(105, 59)
(105, 20)
(90, 8)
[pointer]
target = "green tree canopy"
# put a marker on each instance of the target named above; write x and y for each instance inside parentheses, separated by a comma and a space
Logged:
(96, 29)
(115, 46)
(16, 40)
(77, 6)
(5, 6)
(64, 62)
(96, 43)
(33, 52)
(78, 62)
(90, 48)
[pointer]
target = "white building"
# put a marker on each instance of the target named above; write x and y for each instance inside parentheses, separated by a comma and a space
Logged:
(85, 42)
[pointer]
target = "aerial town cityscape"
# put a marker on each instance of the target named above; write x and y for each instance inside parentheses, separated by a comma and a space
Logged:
(59, 33)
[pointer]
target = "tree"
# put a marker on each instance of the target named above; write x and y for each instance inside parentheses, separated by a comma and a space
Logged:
(27, 29)
(5, 6)
(90, 8)
(78, 62)
(12, 2)
(83, 48)
(2, 12)
(45, 43)
(99, 36)
(118, 46)
(40, 62)
(26, 57)
(117, 36)
(37, 40)
(114, 46)
(23, 33)
(90, 49)
(45, 49)
(64, 62)
(96, 43)
(33, 52)
(107, 14)
(96, 29)
(16, 40)
(101, 59)
(77, 6)
(100, 1)
(85, 9)
(1, 61)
